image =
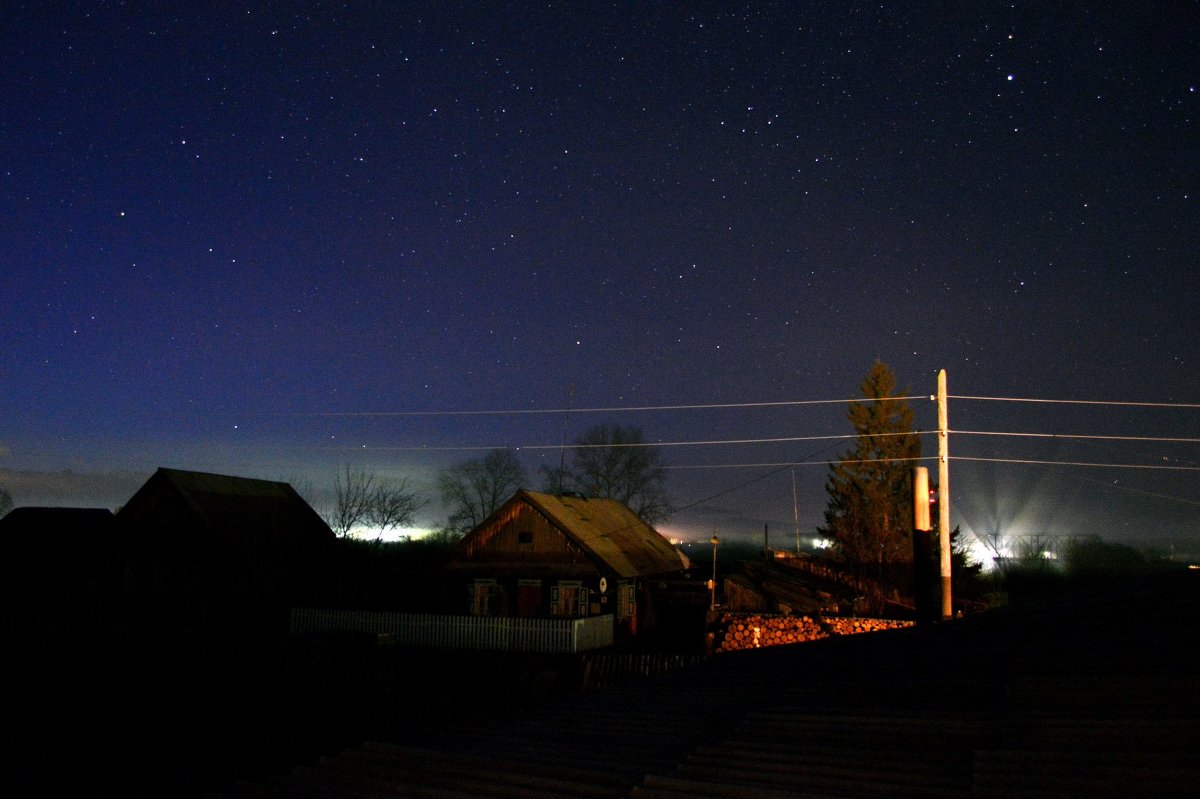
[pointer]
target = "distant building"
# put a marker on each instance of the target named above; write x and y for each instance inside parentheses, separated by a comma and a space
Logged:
(563, 556)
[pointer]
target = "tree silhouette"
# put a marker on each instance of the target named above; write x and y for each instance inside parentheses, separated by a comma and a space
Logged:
(870, 499)
(615, 462)
(473, 490)
(361, 497)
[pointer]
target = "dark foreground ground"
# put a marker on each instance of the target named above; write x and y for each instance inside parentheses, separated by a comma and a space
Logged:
(1092, 694)
(1103, 682)
(178, 713)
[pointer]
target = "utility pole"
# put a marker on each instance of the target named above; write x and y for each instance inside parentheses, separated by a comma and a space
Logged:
(944, 494)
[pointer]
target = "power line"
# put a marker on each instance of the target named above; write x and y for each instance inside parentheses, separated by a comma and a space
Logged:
(1188, 405)
(787, 464)
(773, 467)
(742, 485)
(641, 444)
(1079, 463)
(535, 411)
(1159, 439)
(693, 406)
(1142, 492)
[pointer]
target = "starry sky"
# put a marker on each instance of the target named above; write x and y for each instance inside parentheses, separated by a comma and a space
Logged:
(266, 239)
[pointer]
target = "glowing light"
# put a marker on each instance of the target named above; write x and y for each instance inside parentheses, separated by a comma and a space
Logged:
(392, 534)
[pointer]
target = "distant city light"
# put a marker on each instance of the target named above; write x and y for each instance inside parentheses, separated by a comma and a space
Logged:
(391, 535)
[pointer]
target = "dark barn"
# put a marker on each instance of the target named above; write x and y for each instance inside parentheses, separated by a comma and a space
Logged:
(215, 548)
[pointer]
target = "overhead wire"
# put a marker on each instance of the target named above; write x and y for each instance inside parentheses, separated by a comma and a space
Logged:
(777, 466)
(1186, 405)
(600, 409)
(620, 445)
(697, 406)
(1158, 439)
(1151, 466)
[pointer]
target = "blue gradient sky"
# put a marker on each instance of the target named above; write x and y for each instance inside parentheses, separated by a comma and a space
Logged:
(271, 240)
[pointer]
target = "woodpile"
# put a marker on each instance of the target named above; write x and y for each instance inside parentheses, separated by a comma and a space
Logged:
(853, 626)
(736, 631)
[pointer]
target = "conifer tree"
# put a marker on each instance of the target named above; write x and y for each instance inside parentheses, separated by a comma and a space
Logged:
(869, 515)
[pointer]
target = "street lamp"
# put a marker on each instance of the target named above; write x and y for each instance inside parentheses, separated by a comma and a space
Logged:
(713, 601)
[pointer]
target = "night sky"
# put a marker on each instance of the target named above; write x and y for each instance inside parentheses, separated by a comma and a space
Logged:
(269, 239)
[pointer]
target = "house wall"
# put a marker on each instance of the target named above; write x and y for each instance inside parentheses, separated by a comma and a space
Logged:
(522, 535)
(535, 566)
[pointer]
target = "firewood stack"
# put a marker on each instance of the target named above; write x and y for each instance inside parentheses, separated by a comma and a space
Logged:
(751, 631)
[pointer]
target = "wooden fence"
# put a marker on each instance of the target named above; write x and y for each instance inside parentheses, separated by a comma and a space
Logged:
(462, 632)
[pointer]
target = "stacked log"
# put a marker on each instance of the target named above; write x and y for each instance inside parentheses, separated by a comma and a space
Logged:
(738, 631)
(735, 631)
(853, 626)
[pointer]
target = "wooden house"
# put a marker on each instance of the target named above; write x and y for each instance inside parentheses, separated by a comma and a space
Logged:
(217, 548)
(564, 556)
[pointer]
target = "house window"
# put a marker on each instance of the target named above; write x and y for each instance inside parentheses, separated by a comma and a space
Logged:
(626, 600)
(525, 537)
(569, 598)
(529, 597)
(483, 598)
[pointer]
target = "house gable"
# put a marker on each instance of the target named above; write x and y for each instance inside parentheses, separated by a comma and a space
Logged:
(229, 550)
(612, 534)
(210, 514)
(589, 536)
(520, 533)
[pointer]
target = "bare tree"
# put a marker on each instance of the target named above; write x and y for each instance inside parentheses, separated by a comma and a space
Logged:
(392, 505)
(352, 489)
(474, 489)
(617, 463)
(361, 497)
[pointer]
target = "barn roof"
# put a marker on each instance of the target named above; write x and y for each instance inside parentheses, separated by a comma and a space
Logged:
(269, 512)
(610, 531)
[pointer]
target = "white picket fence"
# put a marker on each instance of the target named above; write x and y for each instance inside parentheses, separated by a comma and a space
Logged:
(463, 632)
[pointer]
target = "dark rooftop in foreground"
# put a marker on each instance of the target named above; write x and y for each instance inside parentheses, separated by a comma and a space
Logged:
(1093, 694)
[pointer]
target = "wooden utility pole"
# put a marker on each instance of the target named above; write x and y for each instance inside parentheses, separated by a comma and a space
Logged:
(944, 494)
